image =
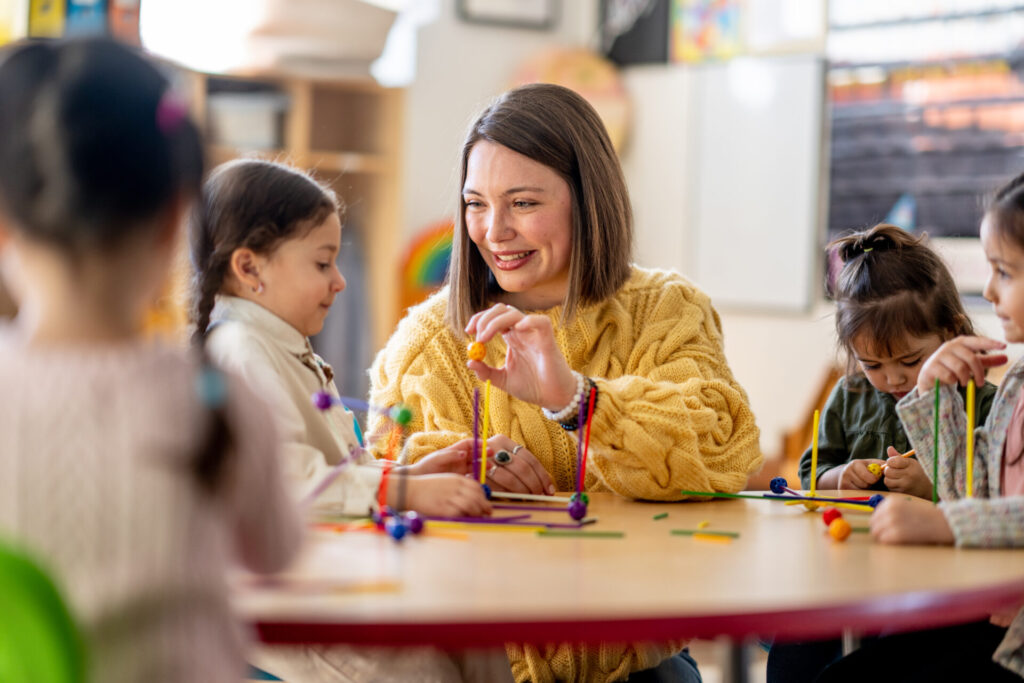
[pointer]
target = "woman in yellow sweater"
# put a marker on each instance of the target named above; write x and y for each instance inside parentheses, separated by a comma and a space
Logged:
(541, 274)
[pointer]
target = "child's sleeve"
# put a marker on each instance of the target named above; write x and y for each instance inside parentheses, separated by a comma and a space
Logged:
(354, 491)
(917, 413)
(987, 522)
(267, 526)
(832, 448)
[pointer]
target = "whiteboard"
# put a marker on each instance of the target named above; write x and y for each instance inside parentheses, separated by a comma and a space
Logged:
(756, 170)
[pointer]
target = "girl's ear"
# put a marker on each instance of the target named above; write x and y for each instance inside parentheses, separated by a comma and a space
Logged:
(245, 266)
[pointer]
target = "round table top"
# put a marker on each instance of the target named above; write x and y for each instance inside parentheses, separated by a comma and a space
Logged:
(783, 576)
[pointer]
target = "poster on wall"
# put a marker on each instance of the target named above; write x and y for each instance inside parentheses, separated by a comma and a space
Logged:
(704, 29)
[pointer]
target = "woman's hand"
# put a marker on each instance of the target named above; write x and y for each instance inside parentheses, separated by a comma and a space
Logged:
(456, 459)
(902, 519)
(958, 361)
(535, 370)
(442, 495)
(522, 474)
(906, 475)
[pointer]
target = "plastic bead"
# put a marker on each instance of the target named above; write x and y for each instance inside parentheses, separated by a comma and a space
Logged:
(830, 515)
(874, 500)
(875, 469)
(778, 485)
(580, 495)
(487, 491)
(414, 522)
(839, 529)
(577, 509)
(395, 528)
(322, 400)
(401, 415)
(476, 351)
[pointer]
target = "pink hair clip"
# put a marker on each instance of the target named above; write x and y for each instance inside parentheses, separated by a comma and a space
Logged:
(170, 112)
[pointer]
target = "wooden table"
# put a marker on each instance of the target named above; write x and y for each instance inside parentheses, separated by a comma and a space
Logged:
(783, 576)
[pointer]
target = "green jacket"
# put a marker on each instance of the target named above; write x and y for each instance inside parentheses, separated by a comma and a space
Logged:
(859, 422)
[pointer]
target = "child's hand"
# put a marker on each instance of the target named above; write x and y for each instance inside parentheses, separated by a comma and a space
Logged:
(959, 360)
(522, 474)
(856, 475)
(445, 495)
(457, 459)
(902, 519)
(905, 475)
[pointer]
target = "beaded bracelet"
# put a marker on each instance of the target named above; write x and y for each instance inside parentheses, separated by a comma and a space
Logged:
(573, 407)
(583, 415)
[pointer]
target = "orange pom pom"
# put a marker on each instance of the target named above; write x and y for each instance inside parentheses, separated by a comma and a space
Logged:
(839, 529)
(476, 351)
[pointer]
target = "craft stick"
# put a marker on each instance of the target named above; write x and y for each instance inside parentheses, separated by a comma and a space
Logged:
(970, 439)
(582, 534)
(713, 494)
(579, 443)
(663, 515)
(935, 447)
(902, 455)
(510, 495)
(329, 479)
(479, 520)
(814, 454)
(704, 532)
(818, 499)
(825, 503)
(714, 538)
(586, 444)
(484, 527)
(535, 508)
(476, 433)
(483, 440)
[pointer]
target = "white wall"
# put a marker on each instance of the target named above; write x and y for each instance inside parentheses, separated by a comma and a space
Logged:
(460, 67)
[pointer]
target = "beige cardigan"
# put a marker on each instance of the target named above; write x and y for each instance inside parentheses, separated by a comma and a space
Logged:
(279, 363)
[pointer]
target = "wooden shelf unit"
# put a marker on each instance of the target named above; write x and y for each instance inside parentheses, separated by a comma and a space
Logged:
(348, 133)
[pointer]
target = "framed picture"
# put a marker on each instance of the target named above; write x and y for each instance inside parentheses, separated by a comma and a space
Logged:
(540, 15)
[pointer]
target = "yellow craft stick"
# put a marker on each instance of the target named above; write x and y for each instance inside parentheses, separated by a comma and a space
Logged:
(814, 455)
(813, 504)
(483, 445)
(970, 439)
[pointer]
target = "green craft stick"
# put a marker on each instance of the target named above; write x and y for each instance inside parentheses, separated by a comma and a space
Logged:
(663, 515)
(587, 534)
(935, 448)
(860, 529)
(705, 532)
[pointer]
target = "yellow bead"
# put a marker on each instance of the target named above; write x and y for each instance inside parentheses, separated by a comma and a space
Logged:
(839, 529)
(476, 351)
(875, 469)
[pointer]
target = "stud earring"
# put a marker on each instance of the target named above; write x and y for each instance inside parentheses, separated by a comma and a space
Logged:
(258, 290)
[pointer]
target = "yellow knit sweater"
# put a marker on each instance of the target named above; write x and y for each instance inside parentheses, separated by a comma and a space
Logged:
(669, 417)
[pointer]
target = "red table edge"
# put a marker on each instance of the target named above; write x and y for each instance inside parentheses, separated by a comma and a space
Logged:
(907, 611)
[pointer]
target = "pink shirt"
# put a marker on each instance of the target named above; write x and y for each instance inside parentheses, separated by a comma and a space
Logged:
(1013, 453)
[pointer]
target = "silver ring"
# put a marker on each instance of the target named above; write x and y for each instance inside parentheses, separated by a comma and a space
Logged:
(502, 457)
(516, 449)
(490, 472)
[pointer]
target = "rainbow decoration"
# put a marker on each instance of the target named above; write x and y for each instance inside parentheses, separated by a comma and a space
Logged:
(425, 263)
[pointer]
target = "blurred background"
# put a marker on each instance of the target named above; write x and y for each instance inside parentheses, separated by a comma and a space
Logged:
(751, 133)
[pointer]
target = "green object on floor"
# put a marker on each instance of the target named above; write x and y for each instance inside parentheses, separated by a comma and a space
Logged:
(39, 641)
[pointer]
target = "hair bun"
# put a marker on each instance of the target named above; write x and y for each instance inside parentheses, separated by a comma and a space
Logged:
(866, 243)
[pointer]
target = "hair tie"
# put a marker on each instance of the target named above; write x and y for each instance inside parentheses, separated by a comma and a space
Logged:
(171, 112)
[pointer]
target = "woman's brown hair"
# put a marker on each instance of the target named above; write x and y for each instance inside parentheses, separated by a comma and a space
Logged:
(556, 127)
(891, 285)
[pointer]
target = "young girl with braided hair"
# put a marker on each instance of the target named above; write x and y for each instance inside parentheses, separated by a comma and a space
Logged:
(136, 472)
